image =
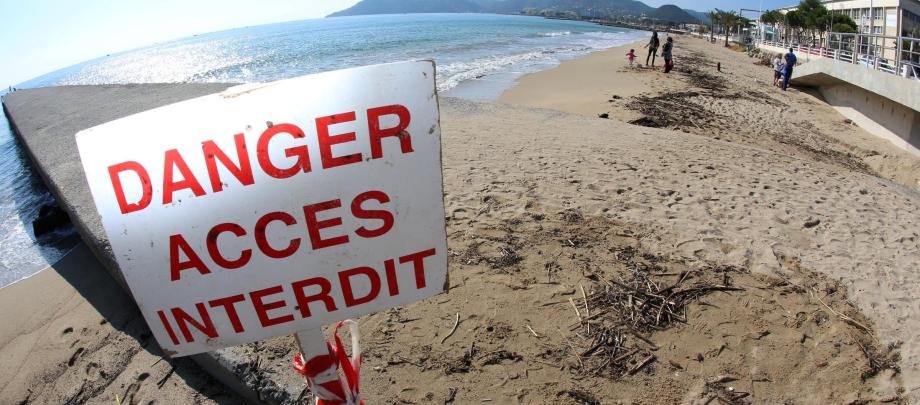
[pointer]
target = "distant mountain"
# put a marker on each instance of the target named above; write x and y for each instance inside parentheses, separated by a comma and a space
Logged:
(596, 8)
(366, 7)
(581, 7)
(672, 13)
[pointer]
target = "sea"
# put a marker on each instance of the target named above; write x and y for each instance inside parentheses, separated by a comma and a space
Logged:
(478, 56)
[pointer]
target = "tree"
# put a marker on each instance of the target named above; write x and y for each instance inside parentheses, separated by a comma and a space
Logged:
(795, 23)
(772, 17)
(813, 16)
(842, 23)
(713, 17)
(727, 19)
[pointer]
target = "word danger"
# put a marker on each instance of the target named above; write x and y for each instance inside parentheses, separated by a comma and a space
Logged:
(178, 176)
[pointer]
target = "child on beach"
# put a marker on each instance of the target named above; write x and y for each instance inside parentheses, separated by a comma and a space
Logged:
(778, 68)
(631, 56)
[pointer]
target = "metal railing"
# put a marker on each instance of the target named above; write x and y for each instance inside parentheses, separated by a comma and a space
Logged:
(890, 54)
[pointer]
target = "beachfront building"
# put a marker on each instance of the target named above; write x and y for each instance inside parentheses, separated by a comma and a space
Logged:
(879, 23)
(878, 17)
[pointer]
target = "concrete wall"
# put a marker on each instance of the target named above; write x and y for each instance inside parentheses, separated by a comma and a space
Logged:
(45, 120)
(801, 56)
(876, 114)
(885, 105)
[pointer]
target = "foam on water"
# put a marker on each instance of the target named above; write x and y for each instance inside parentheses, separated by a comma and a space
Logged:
(22, 194)
(468, 48)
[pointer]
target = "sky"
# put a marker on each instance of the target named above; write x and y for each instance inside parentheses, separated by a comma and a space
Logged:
(41, 36)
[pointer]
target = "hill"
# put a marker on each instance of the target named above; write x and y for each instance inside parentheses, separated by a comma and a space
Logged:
(596, 8)
(671, 13)
(581, 7)
(366, 7)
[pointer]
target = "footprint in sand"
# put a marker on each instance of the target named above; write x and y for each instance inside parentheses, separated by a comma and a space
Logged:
(74, 356)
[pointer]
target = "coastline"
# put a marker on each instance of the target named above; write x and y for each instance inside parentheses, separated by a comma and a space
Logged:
(703, 195)
(583, 85)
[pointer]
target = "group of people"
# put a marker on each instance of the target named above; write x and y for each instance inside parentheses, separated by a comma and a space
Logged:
(653, 45)
(782, 69)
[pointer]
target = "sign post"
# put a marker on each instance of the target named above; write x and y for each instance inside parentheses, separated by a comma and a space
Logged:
(274, 209)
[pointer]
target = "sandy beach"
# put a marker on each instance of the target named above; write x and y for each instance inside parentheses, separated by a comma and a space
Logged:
(741, 245)
(80, 339)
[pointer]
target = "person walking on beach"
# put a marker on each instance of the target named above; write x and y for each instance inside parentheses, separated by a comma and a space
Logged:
(631, 56)
(652, 46)
(666, 54)
(790, 64)
(777, 70)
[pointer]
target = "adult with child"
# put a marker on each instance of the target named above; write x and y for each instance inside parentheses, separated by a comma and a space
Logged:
(652, 46)
(790, 64)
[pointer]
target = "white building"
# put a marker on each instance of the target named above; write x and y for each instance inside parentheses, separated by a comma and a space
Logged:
(879, 17)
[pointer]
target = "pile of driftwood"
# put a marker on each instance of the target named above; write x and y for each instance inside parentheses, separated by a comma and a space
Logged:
(616, 321)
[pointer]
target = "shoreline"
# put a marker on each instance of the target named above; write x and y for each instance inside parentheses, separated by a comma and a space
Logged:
(491, 86)
(602, 83)
(712, 195)
(580, 85)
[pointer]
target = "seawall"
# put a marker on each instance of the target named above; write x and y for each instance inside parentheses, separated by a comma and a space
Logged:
(45, 121)
(883, 104)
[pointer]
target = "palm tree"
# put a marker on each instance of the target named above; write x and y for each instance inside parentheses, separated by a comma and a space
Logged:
(727, 19)
(771, 18)
(713, 16)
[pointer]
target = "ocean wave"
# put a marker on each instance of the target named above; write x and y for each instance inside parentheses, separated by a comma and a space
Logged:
(452, 74)
(555, 34)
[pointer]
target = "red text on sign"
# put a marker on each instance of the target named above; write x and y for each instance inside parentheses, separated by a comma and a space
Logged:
(178, 176)
(302, 299)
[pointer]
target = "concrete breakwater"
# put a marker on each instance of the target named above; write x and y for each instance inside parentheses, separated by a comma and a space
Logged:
(45, 120)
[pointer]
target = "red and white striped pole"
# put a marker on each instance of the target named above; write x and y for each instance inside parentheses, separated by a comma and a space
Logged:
(319, 362)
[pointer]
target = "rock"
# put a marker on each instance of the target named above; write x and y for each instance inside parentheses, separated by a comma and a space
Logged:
(616, 97)
(651, 122)
(847, 121)
(604, 116)
(50, 217)
(564, 291)
(812, 222)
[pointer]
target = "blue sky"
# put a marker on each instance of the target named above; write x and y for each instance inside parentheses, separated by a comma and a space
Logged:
(40, 36)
